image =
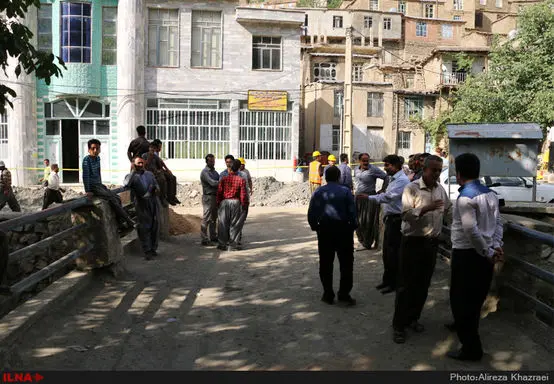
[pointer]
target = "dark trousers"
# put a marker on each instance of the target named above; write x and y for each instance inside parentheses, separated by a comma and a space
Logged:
(171, 181)
(148, 217)
(101, 191)
(469, 285)
(339, 239)
(418, 256)
(10, 200)
(162, 182)
(51, 196)
(391, 249)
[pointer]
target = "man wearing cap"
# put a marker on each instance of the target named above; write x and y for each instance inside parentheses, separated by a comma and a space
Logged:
(332, 162)
(6, 191)
(316, 172)
(246, 172)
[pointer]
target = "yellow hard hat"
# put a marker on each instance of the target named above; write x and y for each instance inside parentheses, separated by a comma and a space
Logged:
(316, 153)
(332, 158)
(242, 161)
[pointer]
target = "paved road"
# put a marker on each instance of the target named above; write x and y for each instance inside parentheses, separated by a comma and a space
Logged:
(258, 309)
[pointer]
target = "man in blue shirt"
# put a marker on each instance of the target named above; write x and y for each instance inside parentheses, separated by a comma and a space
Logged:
(392, 200)
(92, 181)
(332, 214)
(345, 172)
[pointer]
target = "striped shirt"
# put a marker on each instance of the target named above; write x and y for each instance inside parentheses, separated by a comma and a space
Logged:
(91, 172)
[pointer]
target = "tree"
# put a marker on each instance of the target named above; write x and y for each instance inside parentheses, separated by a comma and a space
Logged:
(15, 41)
(519, 83)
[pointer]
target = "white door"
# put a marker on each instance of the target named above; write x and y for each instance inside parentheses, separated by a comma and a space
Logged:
(404, 144)
(376, 143)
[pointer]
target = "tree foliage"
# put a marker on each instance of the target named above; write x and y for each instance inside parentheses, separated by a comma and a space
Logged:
(15, 41)
(519, 83)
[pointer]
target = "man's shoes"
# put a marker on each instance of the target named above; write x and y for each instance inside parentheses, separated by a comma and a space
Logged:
(347, 300)
(381, 286)
(328, 299)
(222, 247)
(417, 327)
(233, 249)
(150, 255)
(387, 290)
(399, 336)
(206, 243)
(463, 356)
(451, 327)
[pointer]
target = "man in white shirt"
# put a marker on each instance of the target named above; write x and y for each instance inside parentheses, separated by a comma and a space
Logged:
(425, 206)
(476, 246)
(53, 192)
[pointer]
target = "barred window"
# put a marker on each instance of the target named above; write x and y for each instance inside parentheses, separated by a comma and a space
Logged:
(3, 136)
(266, 52)
(325, 71)
(206, 39)
(404, 140)
(265, 135)
(421, 29)
(375, 104)
(188, 128)
(357, 73)
(337, 21)
(368, 22)
(413, 107)
(76, 32)
(335, 138)
(163, 37)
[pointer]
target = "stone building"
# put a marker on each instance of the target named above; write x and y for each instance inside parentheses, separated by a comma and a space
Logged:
(181, 68)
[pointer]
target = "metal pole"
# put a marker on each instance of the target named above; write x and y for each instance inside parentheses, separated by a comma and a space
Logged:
(348, 94)
(315, 116)
(341, 103)
(534, 189)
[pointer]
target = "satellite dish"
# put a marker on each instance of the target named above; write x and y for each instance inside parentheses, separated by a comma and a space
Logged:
(512, 34)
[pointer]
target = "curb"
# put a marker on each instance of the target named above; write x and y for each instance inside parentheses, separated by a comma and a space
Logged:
(15, 323)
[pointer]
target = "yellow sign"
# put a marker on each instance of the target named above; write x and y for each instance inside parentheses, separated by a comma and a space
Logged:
(267, 100)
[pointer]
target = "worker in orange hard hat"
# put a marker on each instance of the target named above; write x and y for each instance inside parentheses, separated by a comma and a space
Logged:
(316, 172)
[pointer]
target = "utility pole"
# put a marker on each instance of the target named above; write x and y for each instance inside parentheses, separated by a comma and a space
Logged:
(347, 126)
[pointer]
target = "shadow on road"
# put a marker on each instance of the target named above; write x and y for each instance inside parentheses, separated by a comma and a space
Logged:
(257, 309)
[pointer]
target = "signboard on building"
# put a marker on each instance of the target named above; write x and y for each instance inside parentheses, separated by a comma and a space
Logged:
(267, 100)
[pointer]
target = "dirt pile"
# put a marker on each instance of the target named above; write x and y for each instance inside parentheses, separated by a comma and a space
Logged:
(30, 198)
(182, 224)
(267, 192)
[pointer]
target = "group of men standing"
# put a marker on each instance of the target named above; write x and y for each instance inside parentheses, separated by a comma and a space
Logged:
(225, 201)
(414, 208)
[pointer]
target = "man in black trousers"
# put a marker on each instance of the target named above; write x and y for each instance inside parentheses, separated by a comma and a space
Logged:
(425, 207)
(332, 214)
(476, 246)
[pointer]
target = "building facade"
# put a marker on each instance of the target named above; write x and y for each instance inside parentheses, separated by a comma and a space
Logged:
(183, 69)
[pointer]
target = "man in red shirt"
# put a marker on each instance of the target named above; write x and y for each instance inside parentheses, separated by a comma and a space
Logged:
(232, 198)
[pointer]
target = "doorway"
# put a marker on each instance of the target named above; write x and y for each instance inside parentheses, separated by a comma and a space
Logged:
(70, 150)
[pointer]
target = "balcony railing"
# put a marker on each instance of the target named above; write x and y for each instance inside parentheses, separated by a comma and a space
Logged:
(453, 78)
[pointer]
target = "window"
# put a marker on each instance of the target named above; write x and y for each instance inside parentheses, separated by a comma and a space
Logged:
(421, 29)
(387, 78)
(266, 52)
(498, 3)
(402, 6)
(337, 103)
(404, 140)
(457, 18)
(479, 19)
(337, 21)
(206, 39)
(190, 128)
(447, 31)
(3, 136)
(76, 32)
(387, 23)
(109, 35)
(458, 5)
(335, 138)
(325, 71)
(375, 104)
(409, 80)
(45, 28)
(368, 22)
(163, 37)
(265, 135)
(413, 107)
(357, 73)
(429, 11)
(373, 5)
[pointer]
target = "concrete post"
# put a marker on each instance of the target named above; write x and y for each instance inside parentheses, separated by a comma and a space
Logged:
(234, 127)
(22, 119)
(380, 33)
(130, 75)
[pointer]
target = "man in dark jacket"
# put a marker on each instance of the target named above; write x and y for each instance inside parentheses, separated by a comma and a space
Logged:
(138, 146)
(144, 191)
(332, 214)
